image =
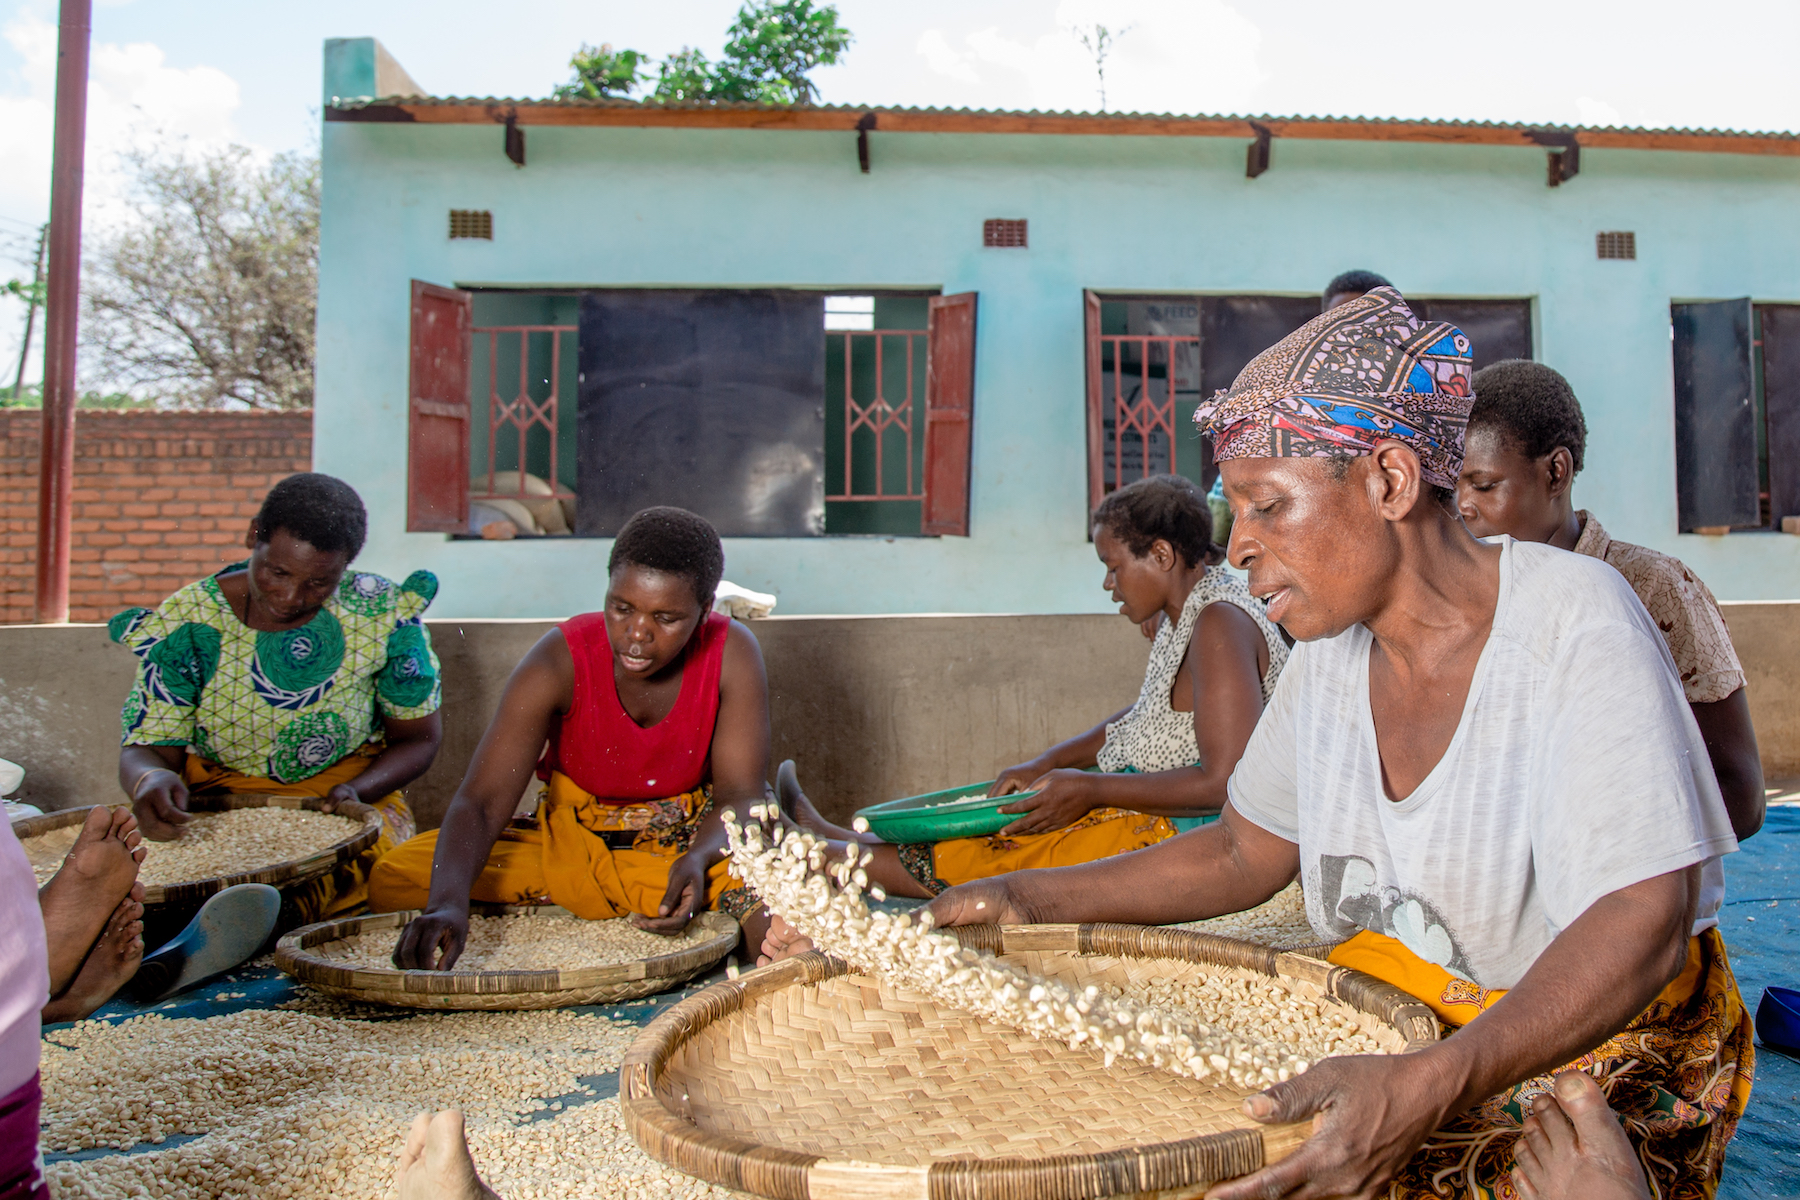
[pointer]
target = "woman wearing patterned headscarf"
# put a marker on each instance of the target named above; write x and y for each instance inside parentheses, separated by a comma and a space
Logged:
(287, 674)
(1481, 765)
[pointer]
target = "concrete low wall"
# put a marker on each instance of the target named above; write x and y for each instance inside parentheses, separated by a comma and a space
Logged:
(869, 707)
(1767, 638)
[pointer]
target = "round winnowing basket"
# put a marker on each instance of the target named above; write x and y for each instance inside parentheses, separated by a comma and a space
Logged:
(493, 991)
(805, 1080)
(47, 840)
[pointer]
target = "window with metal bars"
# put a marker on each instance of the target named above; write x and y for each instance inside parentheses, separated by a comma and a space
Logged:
(1150, 360)
(1006, 234)
(472, 223)
(1616, 244)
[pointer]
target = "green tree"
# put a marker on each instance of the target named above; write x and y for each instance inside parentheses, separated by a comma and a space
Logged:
(601, 71)
(686, 76)
(770, 52)
(207, 298)
(773, 46)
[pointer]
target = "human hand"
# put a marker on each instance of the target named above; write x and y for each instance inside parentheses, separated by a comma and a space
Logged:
(1150, 626)
(782, 941)
(159, 802)
(433, 940)
(1369, 1113)
(685, 896)
(1063, 797)
(343, 793)
(982, 902)
(1018, 779)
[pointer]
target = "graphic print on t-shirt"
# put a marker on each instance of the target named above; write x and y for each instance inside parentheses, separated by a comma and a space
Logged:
(1354, 898)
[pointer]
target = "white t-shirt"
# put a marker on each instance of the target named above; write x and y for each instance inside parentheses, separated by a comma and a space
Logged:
(1576, 770)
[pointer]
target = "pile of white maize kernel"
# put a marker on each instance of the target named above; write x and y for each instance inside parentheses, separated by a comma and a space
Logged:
(1280, 922)
(532, 942)
(790, 875)
(1246, 1002)
(234, 843)
(295, 1105)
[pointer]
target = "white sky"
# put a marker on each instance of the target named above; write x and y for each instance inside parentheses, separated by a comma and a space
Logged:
(212, 71)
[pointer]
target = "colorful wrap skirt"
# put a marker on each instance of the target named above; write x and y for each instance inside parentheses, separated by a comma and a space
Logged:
(1101, 833)
(338, 892)
(595, 859)
(1678, 1076)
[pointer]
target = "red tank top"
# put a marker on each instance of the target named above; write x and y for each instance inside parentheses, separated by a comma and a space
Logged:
(604, 752)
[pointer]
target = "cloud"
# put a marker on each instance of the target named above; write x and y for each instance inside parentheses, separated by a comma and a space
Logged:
(133, 96)
(1597, 112)
(134, 99)
(1166, 56)
(943, 58)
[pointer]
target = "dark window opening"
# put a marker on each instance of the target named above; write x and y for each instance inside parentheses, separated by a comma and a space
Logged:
(773, 413)
(1737, 414)
(471, 223)
(1006, 234)
(1152, 359)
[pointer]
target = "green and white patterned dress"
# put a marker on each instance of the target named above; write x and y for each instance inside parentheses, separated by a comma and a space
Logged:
(280, 705)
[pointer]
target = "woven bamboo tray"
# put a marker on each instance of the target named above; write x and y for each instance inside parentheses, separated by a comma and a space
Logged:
(47, 840)
(493, 991)
(803, 1081)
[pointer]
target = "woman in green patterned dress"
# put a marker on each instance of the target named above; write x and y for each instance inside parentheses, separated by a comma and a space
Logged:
(286, 674)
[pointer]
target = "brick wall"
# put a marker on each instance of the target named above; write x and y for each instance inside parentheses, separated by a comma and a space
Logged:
(161, 498)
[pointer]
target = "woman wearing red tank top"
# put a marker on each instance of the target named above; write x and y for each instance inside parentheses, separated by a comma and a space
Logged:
(655, 715)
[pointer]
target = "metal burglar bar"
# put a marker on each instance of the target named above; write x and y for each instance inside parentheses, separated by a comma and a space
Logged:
(884, 387)
(518, 411)
(1136, 404)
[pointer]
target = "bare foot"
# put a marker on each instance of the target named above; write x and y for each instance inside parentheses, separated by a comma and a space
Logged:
(1572, 1147)
(782, 941)
(95, 876)
(794, 804)
(109, 965)
(435, 1162)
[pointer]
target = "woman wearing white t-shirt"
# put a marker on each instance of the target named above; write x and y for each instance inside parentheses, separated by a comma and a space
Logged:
(1481, 764)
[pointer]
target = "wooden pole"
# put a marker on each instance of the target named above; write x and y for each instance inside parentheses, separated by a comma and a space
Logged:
(56, 462)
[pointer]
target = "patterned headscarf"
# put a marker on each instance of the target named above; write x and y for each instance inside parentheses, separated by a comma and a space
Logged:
(1364, 371)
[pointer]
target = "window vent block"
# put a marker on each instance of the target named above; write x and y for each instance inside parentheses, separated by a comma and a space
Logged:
(1616, 244)
(472, 223)
(1006, 234)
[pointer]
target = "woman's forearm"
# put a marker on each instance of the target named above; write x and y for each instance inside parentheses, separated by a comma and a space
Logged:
(1599, 974)
(135, 762)
(1183, 792)
(1227, 867)
(467, 836)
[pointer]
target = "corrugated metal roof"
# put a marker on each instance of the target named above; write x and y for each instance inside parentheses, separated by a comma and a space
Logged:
(648, 107)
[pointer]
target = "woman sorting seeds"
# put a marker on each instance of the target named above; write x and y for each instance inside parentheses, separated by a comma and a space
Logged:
(286, 674)
(1482, 764)
(656, 715)
(1163, 761)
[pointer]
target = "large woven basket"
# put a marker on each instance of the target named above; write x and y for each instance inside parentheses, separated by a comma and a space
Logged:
(493, 991)
(47, 840)
(804, 1081)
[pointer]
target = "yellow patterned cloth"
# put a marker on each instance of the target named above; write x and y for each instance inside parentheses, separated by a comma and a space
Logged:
(563, 858)
(337, 893)
(1102, 833)
(1678, 1076)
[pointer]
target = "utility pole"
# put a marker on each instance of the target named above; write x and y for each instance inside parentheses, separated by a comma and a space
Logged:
(31, 303)
(56, 461)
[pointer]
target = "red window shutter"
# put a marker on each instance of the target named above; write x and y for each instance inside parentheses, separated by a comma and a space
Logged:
(437, 420)
(949, 412)
(1096, 427)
